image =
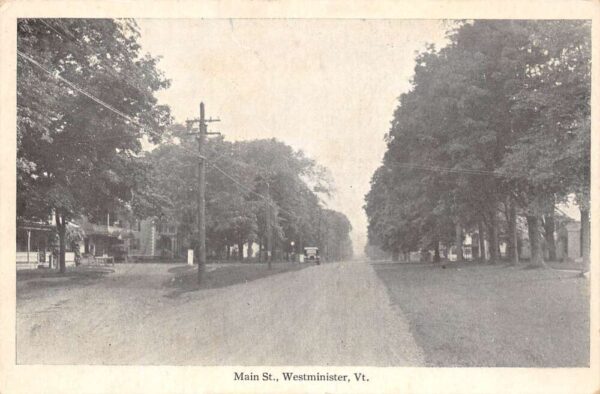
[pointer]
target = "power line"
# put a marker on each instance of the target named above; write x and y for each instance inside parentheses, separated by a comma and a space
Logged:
(128, 118)
(263, 169)
(50, 27)
(80, 90)
(56, 75)
(108, 70)
(445, 169)
(89, 95)
(65, 29)
(240, 185)
(88, 50)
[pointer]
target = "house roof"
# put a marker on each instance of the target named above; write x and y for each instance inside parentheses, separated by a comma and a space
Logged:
(104, 230)
(573, 226)
(23, 224)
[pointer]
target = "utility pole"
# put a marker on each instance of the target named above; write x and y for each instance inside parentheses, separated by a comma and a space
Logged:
(269, 229)
(201, 174)
(319, 238)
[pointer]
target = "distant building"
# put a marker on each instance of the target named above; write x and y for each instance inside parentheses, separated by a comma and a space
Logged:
(118, 239)
(37, 245)
(112, 239)
(568, 242)
(138, 240)
(34, 244)
(156, 239)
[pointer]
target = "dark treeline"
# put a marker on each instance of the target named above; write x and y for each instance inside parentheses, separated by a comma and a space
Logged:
(270, 177)
(494, 132)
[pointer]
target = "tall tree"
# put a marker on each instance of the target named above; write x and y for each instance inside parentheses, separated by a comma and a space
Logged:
(75, 155)
(499, 116)
(236, 210)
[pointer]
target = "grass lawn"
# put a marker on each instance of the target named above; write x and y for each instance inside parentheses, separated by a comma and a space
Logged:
(185, 277)
(477, 315)
(176, 279)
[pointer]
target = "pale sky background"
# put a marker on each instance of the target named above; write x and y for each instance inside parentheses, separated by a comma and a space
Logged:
(327, 87)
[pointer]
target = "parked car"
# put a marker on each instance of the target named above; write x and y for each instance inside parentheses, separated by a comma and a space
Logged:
(119, 252)
(311, 254)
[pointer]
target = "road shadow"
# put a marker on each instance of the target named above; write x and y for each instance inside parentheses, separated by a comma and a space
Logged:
(185, 279)
(30, 280)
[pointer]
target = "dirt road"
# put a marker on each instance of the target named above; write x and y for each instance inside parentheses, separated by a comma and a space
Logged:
(333, 314)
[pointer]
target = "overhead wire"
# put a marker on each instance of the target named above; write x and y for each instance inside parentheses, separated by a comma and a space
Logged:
(86, 48)
(80, 90)
(110, 71)
(214, 165)
(444, 169)
(143, 127)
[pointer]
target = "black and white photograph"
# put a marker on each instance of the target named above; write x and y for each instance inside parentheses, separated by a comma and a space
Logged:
(336, 196)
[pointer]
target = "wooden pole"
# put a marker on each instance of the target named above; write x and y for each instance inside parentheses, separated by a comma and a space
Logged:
(28, 244)
(269, 229)
(201, 222)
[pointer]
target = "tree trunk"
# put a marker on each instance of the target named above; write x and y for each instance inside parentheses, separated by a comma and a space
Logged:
(249, 252)
(458, 241)
(535, 244)
(61, 226)
(395, 255)
(436, 254)
(481, 236)
(260, 250)
(228, 252)
(549, 236)
(585, 237)
(493, 237)
(513, 236)
(241, 250)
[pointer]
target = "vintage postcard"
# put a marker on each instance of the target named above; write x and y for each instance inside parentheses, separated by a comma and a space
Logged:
(231, 196)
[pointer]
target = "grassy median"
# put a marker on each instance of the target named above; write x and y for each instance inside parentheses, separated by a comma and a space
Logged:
(176, 278)
(481, 315)
(184, 278)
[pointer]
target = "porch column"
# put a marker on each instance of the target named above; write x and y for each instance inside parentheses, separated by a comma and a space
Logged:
(28, 244)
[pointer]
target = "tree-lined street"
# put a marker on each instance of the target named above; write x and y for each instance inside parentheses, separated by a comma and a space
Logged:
(145, 239)
(491, 139)
(349, 313)
(93, 141)
(333, 314)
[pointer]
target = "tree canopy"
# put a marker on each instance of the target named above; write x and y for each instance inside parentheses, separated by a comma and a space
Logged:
(83, 89)
(496, 121)
(268, 176)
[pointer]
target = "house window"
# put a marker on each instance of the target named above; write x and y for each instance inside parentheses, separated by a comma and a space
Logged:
(135, 244)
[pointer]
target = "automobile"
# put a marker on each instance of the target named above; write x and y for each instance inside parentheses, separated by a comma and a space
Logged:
(119, 252)
(311, 254)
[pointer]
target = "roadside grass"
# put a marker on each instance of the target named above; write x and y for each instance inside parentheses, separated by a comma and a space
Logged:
(482, 315)
(178, 279)
(185, 277)
(41, 278)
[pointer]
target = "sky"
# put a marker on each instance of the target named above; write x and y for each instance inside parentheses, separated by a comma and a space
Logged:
(328, 87)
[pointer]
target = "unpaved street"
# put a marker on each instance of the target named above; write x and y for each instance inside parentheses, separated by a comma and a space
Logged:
(333, 314)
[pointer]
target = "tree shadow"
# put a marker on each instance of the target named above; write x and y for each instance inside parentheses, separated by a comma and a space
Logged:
(46, 278)
(185, 278)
